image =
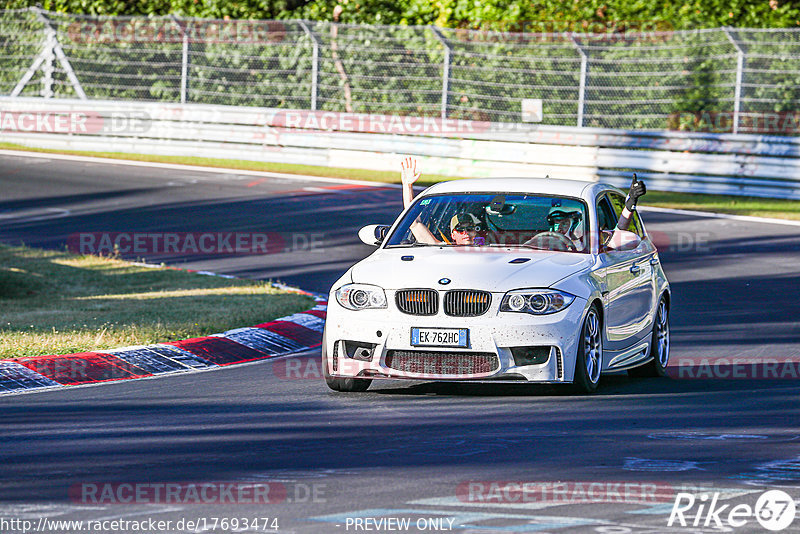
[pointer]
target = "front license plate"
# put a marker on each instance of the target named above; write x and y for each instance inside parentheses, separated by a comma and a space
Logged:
(440, 337)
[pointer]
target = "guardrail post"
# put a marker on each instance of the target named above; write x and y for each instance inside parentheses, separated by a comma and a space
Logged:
(737, 92)
(46, 55)
(51, 48)
(185, 68)
(184, 59)
(445, 69)
(47, 68)
(314, 64)
(59, 52)
(582, 81)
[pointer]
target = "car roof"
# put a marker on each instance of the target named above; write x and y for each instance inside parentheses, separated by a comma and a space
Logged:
(550, 186)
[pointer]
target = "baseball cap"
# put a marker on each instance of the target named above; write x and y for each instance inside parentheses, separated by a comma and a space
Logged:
(463, 219)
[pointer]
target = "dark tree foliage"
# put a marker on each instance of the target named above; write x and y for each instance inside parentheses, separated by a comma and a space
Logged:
(556, 15)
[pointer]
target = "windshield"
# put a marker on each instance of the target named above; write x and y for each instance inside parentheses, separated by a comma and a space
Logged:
(494, 219)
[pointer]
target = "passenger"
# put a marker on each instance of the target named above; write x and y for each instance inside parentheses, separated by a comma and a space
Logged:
(408, 175)
(466, 229)
(621, 237)
(637, 191)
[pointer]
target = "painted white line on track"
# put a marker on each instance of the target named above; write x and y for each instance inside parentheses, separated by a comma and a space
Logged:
(34, 214)
(197, 168)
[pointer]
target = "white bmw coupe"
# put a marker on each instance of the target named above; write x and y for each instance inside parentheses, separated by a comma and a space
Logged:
(501, 280)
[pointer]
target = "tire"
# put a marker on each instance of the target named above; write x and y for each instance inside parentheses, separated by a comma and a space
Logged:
(590, 353)
(659, 346)
(350, 385)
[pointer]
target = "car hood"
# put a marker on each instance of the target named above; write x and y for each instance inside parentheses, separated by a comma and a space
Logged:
(467, 268)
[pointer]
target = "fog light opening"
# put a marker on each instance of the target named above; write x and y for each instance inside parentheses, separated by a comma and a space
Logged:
(358, 350)
(363, 353)
(530, 355)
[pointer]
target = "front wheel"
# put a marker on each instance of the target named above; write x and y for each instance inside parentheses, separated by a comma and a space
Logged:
(590, 353)
(340, 384)
(659, 345)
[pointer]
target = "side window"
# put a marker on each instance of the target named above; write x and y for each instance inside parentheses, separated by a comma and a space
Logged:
(606, 218)
(619, 204)
(636, 222)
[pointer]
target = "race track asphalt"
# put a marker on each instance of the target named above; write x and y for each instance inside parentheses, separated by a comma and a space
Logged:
(399, 451)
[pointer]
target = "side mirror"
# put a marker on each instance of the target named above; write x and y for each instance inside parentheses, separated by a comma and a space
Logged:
(373, 234)
(622, 240)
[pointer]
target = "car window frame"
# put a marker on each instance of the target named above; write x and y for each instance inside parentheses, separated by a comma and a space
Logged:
(642, 233)
(603, 196)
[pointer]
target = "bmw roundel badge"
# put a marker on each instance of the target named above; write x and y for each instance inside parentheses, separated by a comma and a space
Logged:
(444, 281)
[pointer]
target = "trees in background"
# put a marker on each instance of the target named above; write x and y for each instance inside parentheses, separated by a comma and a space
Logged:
(516, 15)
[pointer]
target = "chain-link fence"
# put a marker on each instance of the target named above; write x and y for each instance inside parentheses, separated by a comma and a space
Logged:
(739, 80)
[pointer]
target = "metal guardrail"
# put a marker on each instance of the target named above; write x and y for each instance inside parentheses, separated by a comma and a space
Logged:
(767, 166)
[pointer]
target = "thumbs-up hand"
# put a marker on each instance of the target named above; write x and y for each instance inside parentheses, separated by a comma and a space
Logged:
(637, 190)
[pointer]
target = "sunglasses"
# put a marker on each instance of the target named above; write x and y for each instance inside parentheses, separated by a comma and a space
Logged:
(476, 228)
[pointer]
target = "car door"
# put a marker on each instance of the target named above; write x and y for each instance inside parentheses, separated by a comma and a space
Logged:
(628, 277)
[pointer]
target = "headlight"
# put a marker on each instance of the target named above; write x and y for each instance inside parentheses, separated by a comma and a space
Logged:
(361, 296)
(536, 301)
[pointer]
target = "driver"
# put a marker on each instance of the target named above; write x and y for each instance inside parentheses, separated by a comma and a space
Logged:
(566, 223)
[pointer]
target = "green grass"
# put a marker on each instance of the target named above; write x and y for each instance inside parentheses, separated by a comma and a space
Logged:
(54, 302)
(735, 205)
(752, 206)
(287, 168)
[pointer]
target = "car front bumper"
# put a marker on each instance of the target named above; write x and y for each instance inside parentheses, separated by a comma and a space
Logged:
(387, 333)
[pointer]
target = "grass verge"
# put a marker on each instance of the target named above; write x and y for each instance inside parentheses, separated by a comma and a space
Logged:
(55, 302)
(286, 168)
(734, 205)
(751, 206)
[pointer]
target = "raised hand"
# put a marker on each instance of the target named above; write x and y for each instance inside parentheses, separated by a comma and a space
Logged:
(637, 190)
(409, 173)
